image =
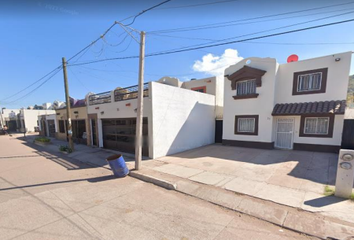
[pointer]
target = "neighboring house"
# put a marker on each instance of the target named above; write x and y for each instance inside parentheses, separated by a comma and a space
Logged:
(175, 119)
(297, 105)
(47, 125)
(28, 119)
(79, 122)
(9, 118)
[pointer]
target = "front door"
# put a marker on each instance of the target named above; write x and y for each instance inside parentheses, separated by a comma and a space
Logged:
(284, 136)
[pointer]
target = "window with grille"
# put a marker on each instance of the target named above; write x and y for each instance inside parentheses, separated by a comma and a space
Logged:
(246, 87)
(246, 125)
(309, 82)
(316, 125)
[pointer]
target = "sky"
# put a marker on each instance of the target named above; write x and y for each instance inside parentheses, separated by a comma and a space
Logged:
(37, 34)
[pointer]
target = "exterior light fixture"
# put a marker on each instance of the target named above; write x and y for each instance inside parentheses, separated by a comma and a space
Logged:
(347, 157)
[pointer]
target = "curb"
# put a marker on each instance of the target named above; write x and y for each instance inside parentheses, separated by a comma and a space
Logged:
(310, 224)
(153, 180)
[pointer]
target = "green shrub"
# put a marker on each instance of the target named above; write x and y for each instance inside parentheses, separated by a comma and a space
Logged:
(63, 148)
(42, 139)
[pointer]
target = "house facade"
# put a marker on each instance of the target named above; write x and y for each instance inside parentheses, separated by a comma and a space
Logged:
(177, 116)
(79, 122)
(297, 105)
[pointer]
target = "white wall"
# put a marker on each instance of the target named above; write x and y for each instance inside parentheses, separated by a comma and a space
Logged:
(31, 117)
(262, 105)
(337, 79)
(181, 119)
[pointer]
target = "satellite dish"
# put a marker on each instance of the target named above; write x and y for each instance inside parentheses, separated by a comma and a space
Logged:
(293, 58)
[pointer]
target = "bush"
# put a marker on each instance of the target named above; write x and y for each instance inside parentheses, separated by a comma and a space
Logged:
(42, 139)
(65, 149)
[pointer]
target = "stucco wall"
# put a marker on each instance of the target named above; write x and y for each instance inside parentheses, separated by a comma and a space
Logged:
(31, 117)
(262, 105)
(182, 119)
(337, 80)
(214, 86)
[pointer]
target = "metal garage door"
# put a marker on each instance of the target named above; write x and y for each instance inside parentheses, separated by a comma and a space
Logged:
(119, 134)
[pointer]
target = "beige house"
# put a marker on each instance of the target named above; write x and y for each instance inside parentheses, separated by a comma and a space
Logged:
(79, 121)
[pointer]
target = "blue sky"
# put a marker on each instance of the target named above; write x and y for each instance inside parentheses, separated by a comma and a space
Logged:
(37, 34)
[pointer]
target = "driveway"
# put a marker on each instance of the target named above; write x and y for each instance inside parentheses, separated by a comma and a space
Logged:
(292, 178)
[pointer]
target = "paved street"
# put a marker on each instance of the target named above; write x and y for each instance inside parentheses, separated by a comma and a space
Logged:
(43, 196)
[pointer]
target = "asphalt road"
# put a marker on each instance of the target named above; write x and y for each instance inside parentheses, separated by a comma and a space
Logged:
(49, 196)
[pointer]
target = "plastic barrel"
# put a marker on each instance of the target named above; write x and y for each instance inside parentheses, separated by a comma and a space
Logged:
(118, 166)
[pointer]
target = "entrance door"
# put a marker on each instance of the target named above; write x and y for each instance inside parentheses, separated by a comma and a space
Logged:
(285, 129)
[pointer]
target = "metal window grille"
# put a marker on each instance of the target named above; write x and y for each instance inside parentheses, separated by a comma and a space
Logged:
(246, 125)
(316, 125)
(122, 94)
(100, 98)
(309, 82)
(246, 87)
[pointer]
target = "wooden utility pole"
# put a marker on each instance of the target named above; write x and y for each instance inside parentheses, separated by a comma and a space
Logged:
(68, 112)
(139, 117)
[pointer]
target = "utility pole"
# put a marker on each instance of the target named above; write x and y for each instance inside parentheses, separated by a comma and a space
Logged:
(68, 112)
(139, 117)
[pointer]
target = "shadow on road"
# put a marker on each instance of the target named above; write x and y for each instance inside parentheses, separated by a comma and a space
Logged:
(91, 180)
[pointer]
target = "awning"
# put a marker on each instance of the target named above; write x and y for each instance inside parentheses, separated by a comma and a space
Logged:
(325, 107)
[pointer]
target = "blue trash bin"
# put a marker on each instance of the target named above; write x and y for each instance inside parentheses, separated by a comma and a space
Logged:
(118, 166)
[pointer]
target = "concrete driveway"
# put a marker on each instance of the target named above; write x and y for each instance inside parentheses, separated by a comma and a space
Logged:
(292, 178)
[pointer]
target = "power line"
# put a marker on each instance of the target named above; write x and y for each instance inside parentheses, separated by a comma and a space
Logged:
(58, 70)
(197, 5)
(268, 30)
(218, 44)
(246, 19)
(146, 10)
(34, 83)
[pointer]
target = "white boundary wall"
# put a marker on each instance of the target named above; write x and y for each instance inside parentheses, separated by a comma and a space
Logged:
(181, 120)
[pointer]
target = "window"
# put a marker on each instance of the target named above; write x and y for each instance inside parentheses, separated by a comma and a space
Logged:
(61, 126)
(246, 87)
(199, 89)
(246, 124)
(315, 125)
(310, 82)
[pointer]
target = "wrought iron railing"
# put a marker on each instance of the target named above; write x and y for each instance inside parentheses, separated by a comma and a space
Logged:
(121, 94)
(100, 98)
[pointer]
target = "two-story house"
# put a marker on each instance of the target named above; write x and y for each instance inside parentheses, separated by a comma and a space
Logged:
(297, 105)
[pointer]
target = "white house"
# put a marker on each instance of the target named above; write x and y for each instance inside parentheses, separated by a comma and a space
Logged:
(28, 119)
(178, 116)
(298, 105)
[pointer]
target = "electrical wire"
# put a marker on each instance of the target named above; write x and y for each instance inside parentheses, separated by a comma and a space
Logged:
(29, 93)
(32, 84)
(246, 19)
(219, 44)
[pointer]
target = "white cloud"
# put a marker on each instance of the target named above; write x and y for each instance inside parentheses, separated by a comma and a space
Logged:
(215, 65)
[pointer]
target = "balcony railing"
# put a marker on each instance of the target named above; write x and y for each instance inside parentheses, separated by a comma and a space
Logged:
(100, 98)
(122, 94)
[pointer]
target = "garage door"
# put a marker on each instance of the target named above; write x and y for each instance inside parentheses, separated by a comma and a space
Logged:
(119, 134)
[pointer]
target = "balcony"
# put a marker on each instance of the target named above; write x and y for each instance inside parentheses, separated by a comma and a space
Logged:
(100, 98)
(121, 94)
